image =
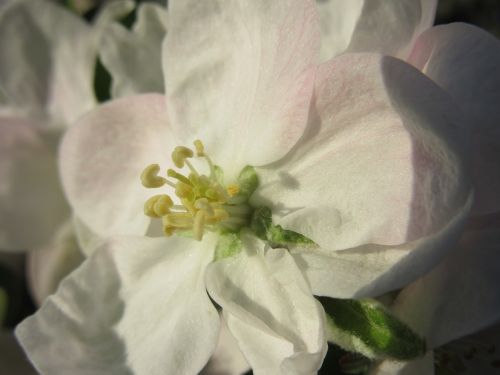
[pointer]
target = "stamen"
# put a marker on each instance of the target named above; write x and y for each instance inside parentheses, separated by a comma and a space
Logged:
(206, 203)
(199, 221)
(150, 178)
(158, 205)
(180, 155)
(200, 149)
(178, 176)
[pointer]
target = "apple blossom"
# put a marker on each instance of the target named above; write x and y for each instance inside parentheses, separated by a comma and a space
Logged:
(356, 158)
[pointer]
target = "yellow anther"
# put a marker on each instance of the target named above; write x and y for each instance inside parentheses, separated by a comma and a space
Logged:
(198, 225)
(233, 189)
(150, 178)
(200, 149)
(178, 176)
(158, 205)
(180, 155)
(163, 205)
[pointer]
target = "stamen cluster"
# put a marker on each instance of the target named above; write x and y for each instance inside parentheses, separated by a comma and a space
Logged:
(205, 202)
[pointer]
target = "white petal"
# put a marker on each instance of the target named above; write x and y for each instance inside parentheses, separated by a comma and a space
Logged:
(270, 310)
(458, 297)
(134, 57)
(48, 265)
(338, 19)
(464, 60)
(421, 366)
(241, 71)
(47, 61)
(136, 306)
(88, 241)
(227, 359)
(102, 158)
(371, 270)
(32, 204)
(380, 162)
(385, 26)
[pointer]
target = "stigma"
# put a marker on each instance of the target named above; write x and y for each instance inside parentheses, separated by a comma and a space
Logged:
(201, 202)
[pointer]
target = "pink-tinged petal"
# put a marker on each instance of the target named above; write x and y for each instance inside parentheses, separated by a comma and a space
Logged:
(47, 61)
(239, 76)
(32, 205)
(384, 26)
(269, 309)
(126, 54)
(464, 60)
(421, 366)
(227, 358)
(102, 157)
(48, 265)
(371, 270)
(379, 164)
(458, 297)
(136, 306)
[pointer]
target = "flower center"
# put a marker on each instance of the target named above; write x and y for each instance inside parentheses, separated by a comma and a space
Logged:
(205, 202)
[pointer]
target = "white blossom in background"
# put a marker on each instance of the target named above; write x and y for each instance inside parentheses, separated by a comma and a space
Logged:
(360, 154)
(46, 83)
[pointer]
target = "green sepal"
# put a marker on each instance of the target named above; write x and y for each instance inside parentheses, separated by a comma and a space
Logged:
(263, 227)
(248, 181)
(367, 327)
(219, 174)
(228, 245)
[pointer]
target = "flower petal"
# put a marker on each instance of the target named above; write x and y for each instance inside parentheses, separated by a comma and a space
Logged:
(371, 270)
(102, 158)
(48, 265)
(47, 61)
(458, 297)
(240, 71)
(136, 306)
(464, 60)
(385, 26)
(134, 57)
(380, 161)
(270, 310)
(32, 204)
(87, 240)
(227, 358)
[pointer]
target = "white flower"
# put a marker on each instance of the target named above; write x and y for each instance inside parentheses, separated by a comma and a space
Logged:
(46, 83)
(359, 154)
(461, 295)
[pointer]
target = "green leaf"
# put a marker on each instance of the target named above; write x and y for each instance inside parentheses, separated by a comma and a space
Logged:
(263, 227)
(229, 244)
(367, 327)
